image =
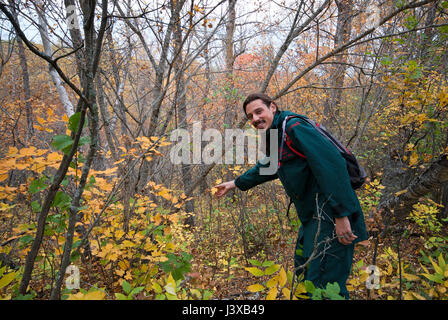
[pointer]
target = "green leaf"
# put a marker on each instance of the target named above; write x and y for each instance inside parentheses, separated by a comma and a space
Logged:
(434, 277)
(61, 200)
(37, 185)
(267, 263)
(26, 239)
(272, 269)
(309, 286)
(170, 296)
(73, 122)
(35, 206)
(157, 288)
(136, 290)
(121, 296)
(126, 287)
(332, 291)
(255, 262)
(62, 142)
(207, 295)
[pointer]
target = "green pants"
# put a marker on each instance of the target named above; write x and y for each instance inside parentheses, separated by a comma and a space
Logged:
(333, 264)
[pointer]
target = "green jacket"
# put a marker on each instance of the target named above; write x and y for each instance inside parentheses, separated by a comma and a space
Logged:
(321, 176)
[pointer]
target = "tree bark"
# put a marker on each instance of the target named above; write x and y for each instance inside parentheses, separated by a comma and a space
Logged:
(337, 76)
(25, 77)
(93, 44)
(429, 180)
(43, 30)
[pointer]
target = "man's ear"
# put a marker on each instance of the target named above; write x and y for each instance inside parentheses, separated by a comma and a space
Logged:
(273, 107)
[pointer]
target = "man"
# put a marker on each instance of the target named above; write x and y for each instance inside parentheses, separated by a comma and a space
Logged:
(314, 175)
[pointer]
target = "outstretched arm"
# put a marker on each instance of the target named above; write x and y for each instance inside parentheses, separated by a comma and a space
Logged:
(247, 180)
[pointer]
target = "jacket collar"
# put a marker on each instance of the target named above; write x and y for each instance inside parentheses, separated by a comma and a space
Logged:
(279, 116)
(276, 122)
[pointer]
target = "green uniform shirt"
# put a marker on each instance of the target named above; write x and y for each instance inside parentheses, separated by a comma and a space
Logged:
(320, 178)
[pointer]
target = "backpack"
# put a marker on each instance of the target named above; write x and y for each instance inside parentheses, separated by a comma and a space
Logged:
(356, 172)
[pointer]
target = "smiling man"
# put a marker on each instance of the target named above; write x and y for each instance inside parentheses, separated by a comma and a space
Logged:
(314, 175)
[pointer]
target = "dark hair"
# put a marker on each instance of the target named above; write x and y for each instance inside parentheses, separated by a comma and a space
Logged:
(267, 100)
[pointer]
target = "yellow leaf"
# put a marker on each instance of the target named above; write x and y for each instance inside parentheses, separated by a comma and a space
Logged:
(196, 293)
(300, 288)
(157, 219)
(54, 156)
(441, 289)
(442, 263)
(77, 296)
(12, 151)
(165, 194)
(401, 192)
(124, 265)
(414, 159)
(94, 295)
(282, 277)
(157, 288)
(170, 286)
(21, 166)
(41, 120)
(436, 266)
(255, 288)
(272, 282)
(198, 9)
(286, 293)
(218, 181)
(5, 280)
(408, 296)
(272, 295)
(255, 271)
(27, 151)
(410, 277)
(419, 297)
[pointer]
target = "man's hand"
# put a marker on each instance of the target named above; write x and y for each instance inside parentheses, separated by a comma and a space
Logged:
(225, 187)
(344, 231)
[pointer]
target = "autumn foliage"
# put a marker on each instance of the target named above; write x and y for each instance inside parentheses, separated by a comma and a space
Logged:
(125, 223)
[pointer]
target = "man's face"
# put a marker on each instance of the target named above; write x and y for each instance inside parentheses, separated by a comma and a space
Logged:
(259, 115)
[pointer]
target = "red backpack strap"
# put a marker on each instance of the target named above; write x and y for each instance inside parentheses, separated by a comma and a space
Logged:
(289, 144)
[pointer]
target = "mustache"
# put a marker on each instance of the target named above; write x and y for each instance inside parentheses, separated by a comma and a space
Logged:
(258, 122)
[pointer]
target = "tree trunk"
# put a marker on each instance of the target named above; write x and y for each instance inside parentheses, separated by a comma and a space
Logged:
(43, 30)
(181, 101)
(92, 53)
(25, 77)
(432, 178)
(337, 76)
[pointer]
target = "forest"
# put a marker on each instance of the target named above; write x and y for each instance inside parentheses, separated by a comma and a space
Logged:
(92, 92)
